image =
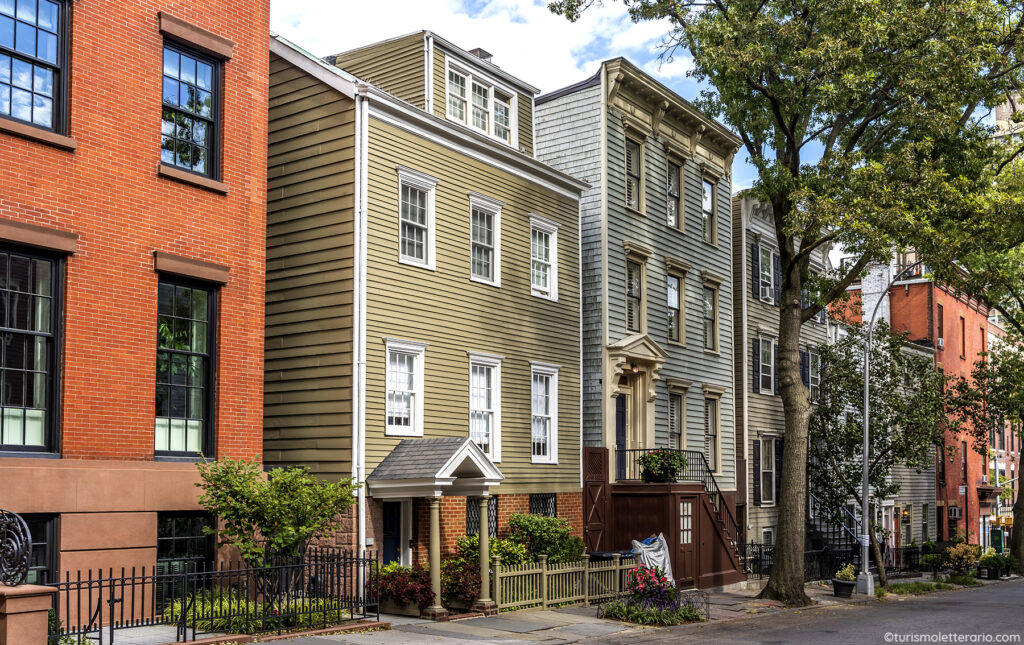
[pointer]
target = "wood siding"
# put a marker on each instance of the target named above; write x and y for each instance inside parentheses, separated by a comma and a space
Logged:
(525, 117)
(308, 354)
(395, 66)
(454, 315)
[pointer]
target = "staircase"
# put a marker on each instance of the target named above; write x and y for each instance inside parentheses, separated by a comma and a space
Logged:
(829, 531)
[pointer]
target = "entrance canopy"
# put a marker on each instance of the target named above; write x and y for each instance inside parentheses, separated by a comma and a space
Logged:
(432, 467)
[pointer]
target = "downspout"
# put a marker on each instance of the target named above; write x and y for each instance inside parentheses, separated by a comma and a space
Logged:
(359, 304)
(579, 249)
(428, 73)
(607, 439)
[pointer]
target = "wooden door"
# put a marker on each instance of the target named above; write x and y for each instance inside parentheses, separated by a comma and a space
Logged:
(685, 569)
(595, 499)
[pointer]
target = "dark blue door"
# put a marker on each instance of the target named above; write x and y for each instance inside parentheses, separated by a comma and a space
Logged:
(620, 436)
(391, 545)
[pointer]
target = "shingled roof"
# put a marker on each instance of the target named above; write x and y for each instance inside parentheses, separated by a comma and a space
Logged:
(417, 458)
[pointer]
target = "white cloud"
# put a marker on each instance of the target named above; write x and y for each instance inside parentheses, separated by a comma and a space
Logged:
(677, 68)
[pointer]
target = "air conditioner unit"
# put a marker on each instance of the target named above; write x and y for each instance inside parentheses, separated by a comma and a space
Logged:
(954, 512)
(984, 480)
(941, 344)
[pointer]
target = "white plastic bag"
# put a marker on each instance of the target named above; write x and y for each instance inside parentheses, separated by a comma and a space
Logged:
(655, 556)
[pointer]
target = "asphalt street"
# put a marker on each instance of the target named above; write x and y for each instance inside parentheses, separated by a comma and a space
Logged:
(979, 615)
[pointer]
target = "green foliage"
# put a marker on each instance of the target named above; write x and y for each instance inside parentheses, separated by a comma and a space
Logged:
(551, 536)
(964, 580)
(632, 613)
(275, 515)
(992, 561)
(661, 465)
(933, 561)
(846, 573)
(460, 581)
(961, 557)
(53, 626)
(917, 588)
(229, 611)
(511, 551)
(405, 585)
(1012, 563)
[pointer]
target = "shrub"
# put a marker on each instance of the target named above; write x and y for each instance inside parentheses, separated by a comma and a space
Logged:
(511, 552)
(964, 580)
(846, 573)
(230, 611)
(992, 560)
(661, 465)
(880, 592)
(54, 624)
(649, 586)
(460, 581)
(405, 585)
(1012, 563)
(933, 561)
(550, 536)
(627, 611)
(961, 557)
(917, 588)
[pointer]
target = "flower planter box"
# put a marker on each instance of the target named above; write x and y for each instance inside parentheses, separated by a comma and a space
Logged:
(389, 606)
(843, 588)
(993, 573)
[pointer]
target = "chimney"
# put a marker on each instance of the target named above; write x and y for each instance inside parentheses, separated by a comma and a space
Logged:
(481, 54)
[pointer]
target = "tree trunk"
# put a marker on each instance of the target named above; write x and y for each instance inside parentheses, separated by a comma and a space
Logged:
(876, 555)
(1017, 532)
(786, 582)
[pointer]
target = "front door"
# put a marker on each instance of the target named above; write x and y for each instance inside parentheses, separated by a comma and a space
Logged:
(391, 544)
(685, 566)
(621, 403)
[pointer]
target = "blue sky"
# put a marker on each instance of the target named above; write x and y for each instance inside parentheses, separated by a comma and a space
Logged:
(525, 38)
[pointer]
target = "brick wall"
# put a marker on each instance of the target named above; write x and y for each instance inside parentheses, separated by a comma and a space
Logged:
(108, 192)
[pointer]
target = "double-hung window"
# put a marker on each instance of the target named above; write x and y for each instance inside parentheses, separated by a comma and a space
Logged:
(814, 375)
(485, 240)
(190, 110)
(634, 164)
(503, 117)
(544, 413)
(477, 102)
(33, 62)
(674, 284)
(543, 257)
(674, 213)
(675, 421)
(765, 270)
(404, 405)
(707, 212)
(485, 403)
(767, 375)
(456, 96)
(42, 569)
(416, 218)
(767, 471)
(634, 296)
(711, 433)
(28, 320)
(710, 319)
(184, 376)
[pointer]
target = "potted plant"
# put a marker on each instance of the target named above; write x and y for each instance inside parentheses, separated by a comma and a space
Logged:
(844, 582)
(659, 466)
(404, 590)
(1010, 563)
(993, 563)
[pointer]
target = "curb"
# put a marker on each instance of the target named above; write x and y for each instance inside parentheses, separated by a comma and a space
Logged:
(266, 638)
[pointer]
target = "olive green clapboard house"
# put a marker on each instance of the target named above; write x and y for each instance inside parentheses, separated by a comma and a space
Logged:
(423, 303)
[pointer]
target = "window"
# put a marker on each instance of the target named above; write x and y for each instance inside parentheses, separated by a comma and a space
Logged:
(710, 319)
(544, 426)
(33, 61)
(711, 444)
(405, 388)
(633, 166)
(963, 460)
(963, 338)
(634, 292)
(767, 281)
(543, 258)
(485, 236)
(184, 379)
(42, 564)
(416, 218)
(768, 537)
(941, 465)
(674, 213)
(485, 403)
(938, 322)
(181, 543)
(674, 318)
(925, 514)
(473, 516)
(491, 110)
(544, 504)
(767, 384)
(767, 472)
(707, 218)
(685, 522)
(190, 107)
(675, 421)
(814, 362)
(28, 286)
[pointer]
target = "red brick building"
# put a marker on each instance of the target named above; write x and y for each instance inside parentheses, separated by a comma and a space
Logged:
(132, 255)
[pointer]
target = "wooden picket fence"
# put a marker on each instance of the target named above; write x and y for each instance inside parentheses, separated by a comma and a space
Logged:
(543, 584)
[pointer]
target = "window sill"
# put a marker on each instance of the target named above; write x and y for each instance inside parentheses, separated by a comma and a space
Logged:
(713, 352)
(489, 283)
(178, 458)
(544, 296)
(390, 432)
(185, 177)
(636, 211)
(40, 135)
(677, 343)
(18, 454)
(414, 263)
(543, 462)
(677, 229)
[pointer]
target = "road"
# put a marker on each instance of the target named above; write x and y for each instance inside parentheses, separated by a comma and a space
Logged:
(989, 611)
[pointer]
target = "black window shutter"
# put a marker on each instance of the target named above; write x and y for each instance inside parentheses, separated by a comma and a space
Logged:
(777, 277)
(820, 316)
(755, 263)
(757, 472)
(805, 368)
(757, 365)
(778, 469)
(775, 367)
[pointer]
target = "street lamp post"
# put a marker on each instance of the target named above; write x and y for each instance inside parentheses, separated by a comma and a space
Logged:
(865, 581)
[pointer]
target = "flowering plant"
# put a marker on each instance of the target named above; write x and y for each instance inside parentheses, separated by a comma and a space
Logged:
(661, 465)
(649, 586)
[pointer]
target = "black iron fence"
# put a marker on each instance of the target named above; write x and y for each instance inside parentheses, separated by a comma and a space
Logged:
(323, 587)
(819, 564)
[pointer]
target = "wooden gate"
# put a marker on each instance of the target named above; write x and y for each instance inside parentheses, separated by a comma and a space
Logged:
(595, 499)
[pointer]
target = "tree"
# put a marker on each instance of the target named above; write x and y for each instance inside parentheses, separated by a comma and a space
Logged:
(908, 413)
(864, 121)
(271, 516)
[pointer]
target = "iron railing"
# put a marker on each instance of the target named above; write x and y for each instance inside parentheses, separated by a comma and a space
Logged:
(628, 467)
(323, 587)
(830, 529)
(819, 564)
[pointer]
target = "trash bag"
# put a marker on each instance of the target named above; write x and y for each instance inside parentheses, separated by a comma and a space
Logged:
(653, 554)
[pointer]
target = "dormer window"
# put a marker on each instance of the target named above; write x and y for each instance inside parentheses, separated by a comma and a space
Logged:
(476, 102)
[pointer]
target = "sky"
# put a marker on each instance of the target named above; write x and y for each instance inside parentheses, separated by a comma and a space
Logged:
(525, 39)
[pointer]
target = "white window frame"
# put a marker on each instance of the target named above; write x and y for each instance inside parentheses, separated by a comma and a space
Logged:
(420, 181)
(717, 427)
(771, 352)
(418, 350)
(492, 361)
(767, 441)
(715, 348)
(710, 218)
(680, 420)
(814, 375)
(549, 227)
(493, 207)
(483, 80)
(768, 530)
(766, 252)
(551, 371)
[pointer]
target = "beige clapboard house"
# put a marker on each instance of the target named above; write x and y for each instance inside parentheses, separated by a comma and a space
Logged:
(423, 304)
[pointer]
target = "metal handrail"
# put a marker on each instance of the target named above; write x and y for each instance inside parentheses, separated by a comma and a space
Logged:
(814, 503)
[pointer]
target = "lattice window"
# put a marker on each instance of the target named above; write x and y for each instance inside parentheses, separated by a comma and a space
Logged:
(473, 516)
(543, 504)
